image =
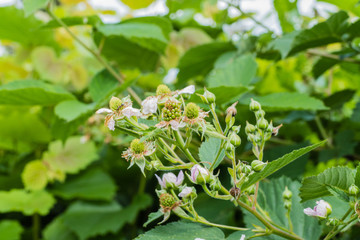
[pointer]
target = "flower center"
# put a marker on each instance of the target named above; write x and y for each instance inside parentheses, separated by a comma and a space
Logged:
(137, 146)
(167, 200)
(171, 111)
(162, 89)
(191, 111)
(115, 103)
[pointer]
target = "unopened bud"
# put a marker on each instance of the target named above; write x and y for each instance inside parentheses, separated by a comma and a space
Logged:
(209, 97)
(232, 109)
(215, 184)
(353, 190)
(260, 114)
(275, 130)
(235, 139)
(250, 190)
(249, 128)
(333, 222)
(257, 165)
(236, 128)
(251, 137)
(137, 146)
(262, 123)
(254, 105)
(287, 204)
(192, 111)
(287, 194)
(229, 147)
(115, 103)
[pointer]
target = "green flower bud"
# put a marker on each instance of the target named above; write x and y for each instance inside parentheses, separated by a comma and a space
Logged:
(251, 137)
(287, 204)
(236, 128)
(257, 165)
(115, 103)
(234, 139)
(162, 89)
(250, 190)
(353, 190)
(333, 222)
(254, 105)
(287, 194)
(260, 114)
(215, 184)
(208, 97)
(192, 111)
(270, 128)
(249, 128)
(229, 147)
(137, 147)
(167, 200)
(262, 123)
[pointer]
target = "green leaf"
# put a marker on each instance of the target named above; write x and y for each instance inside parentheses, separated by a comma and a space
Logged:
(132, 55)
(283, 44)
(92, 185)
(321, 34)
(101, 85)
(32, 92)
(239, 72)
(279, 163)
(287, 13)
(340, 194)
(57, 230)
(199, 60)
(25, 30)
(338, 99)
(223, 94)
(35, 176)
(90, 219)
(137, 4)
(70, 157)
(147, 35)
(10, 230)
(357, 176)
(316, 186)
(183, 231)
(153, 216)
(73, 109)
(322, 65)
(208, 151)
(349, 5)
(270, 199)
(28, 203)
(286, 101)
(92, 20)
(31, 6)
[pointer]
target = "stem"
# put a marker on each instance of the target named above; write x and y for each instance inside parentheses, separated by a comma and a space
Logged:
(331, 235)
(128, 131)
(142, 185)
(95, 54)
(177, 167)
(36, 226)
(274, 230)
(221, 226)
(331, 56)
(289, 220)
(322, 131)
(342, 219)
(186, 151)
(216, 120)
(171, 150)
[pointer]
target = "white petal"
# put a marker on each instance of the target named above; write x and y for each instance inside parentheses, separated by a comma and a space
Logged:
(185, 192)
(175, 125)
(310, 212)
(242, 237)
(188, 90)
(130, 111)
(171, 76)
(149, 105)
(111, 124)
(104, 110)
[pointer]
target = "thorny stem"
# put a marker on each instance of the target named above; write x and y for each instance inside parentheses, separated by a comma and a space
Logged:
(216, 119)
(332, 234)
(96, 54)
(171, 150)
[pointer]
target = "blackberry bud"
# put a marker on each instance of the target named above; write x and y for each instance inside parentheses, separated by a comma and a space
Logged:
(115, 103)
(191, 111)
(137, 146)
(254, 105)
(167, 200)
(162, 89)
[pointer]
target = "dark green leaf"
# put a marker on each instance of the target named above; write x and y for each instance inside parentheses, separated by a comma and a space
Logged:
(101, 85)
(316, 186)
(340, 194)
(183, 231)
(279, 163)
(153, 216)
(199, 60)
(338, 99)
(10, 230)
(287, 101)
(357, 176)
(32, 92)
(93, 185)
(287, 13)
(209, 150)
(57, 230)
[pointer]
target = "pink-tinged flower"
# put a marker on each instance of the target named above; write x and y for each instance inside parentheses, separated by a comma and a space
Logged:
(137, 152)
(322, 209)
(199, 174)
(186, 192)
(149, 105)
(242, 237)
(119, 108)
(169, 180)
(174, 124)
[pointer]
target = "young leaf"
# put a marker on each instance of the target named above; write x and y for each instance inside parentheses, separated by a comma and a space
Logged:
(35, 176)
(74, 21)
(183, 231)
(208, 151)
(92, 185)
(32, 92)
(30, 6)
(317, 186)
(153, 216)
(275, 165)
(70, 157)
(28, 203)
(10, 230)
